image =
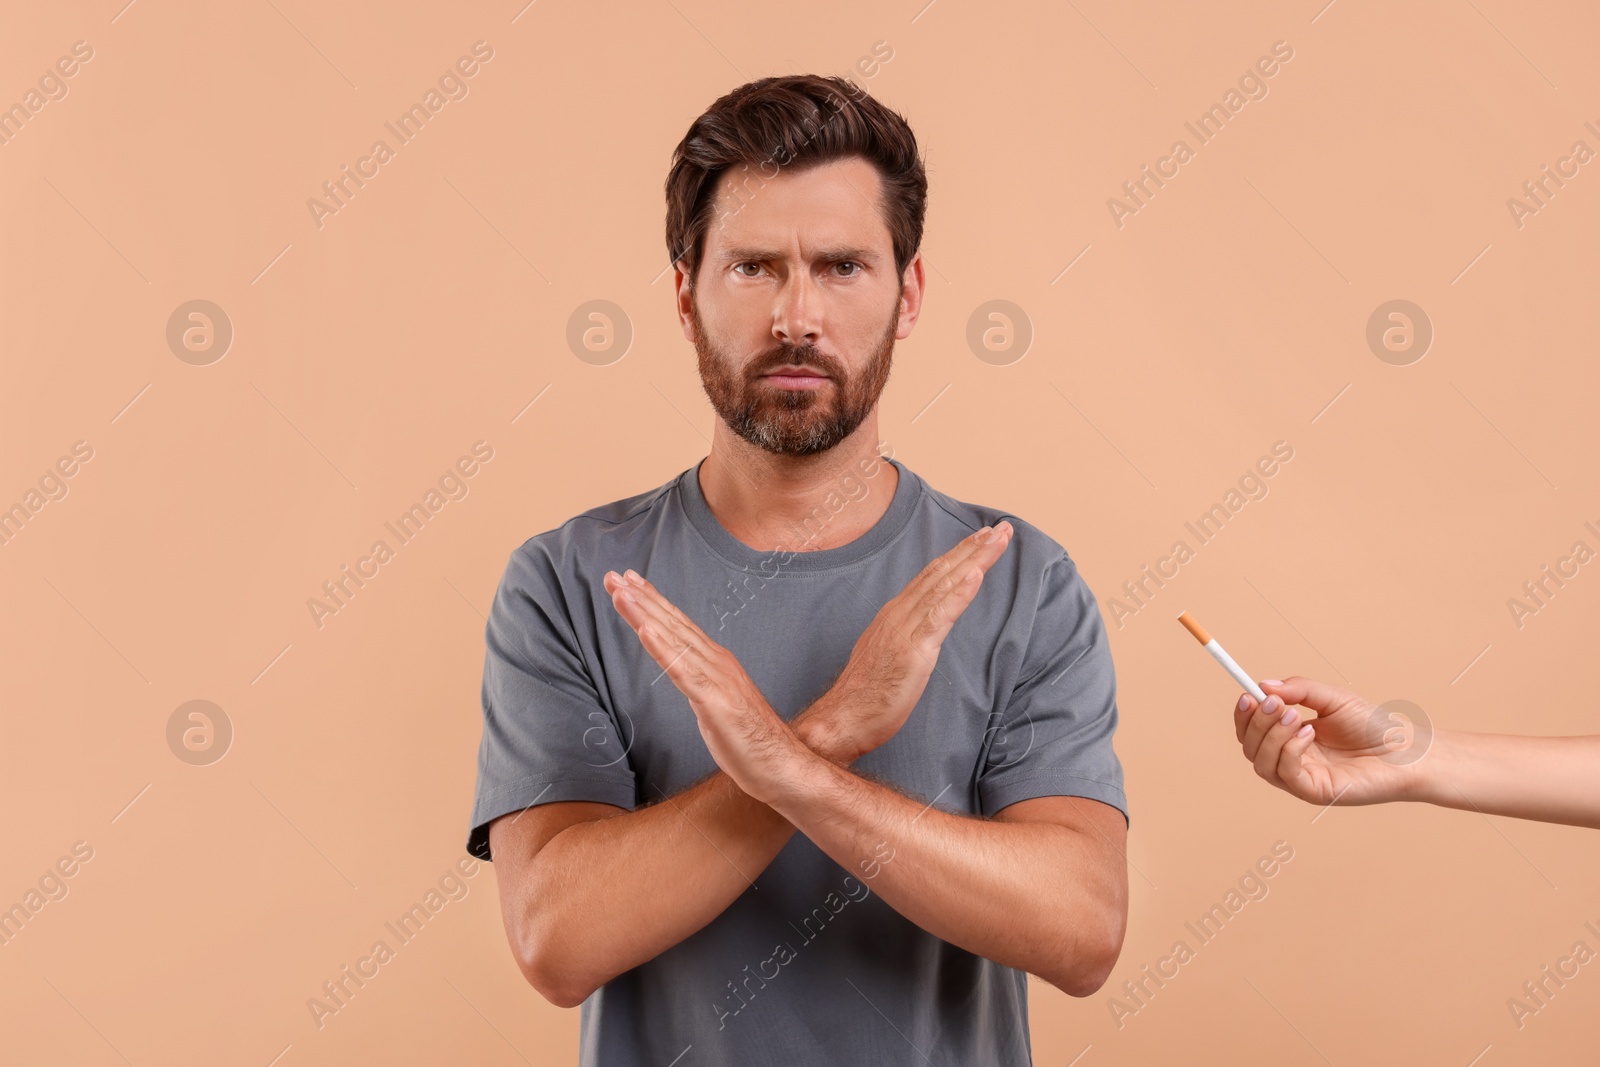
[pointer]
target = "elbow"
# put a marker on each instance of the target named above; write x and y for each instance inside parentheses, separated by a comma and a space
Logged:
(562, 996)
(1087, 976)
(552, 983)
(1092, 961)
(562, 999)
(550, 976)
(1084, 975)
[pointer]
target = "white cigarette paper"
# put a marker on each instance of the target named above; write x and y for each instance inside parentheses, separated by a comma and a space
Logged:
(1220, 654)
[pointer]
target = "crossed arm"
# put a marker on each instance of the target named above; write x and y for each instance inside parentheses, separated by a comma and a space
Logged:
(589, 891)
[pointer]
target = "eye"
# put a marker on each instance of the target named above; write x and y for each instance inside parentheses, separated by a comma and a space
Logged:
(850, 263)
(747, 263)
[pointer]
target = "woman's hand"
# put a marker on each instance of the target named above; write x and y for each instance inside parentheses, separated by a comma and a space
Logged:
(1354, 751)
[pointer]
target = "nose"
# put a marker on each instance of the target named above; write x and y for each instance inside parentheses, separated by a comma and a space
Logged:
(797, 316)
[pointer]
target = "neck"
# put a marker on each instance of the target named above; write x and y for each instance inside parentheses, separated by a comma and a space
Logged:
(772, 502)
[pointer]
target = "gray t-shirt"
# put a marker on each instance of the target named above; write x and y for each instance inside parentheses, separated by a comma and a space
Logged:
(811, 966)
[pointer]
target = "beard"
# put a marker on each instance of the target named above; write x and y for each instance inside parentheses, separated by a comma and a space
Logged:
(792, 422)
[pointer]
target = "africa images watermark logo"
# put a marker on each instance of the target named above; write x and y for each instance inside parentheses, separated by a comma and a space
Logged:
(810, 928)
(52, 86)
(452, 85)
(452, 485)
(1252, 85)
(1137, 593)
(338, 991)
(739, 592)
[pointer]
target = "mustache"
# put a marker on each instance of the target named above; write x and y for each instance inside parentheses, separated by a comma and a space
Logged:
(800, 356)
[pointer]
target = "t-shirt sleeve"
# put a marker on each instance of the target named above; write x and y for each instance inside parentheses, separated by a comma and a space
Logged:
(547, 736)
(1054, 737)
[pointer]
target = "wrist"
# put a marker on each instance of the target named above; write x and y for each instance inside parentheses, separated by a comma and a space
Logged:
(818, 732)
(1424, 779)
(803, 789)
(786, 772)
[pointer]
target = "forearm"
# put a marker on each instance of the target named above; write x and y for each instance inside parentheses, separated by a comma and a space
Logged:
(1035, 896)
(606, 895)
(1551, 779)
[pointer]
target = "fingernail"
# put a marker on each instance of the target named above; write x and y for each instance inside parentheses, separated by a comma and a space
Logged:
(1303, 731)
(1268, 707)
(633, 576)
(1244, 702)
(1289, 715)
(627, 594)
(1270, 681)
(985, 534)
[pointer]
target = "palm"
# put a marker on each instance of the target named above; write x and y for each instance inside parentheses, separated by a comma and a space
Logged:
(1348, 775)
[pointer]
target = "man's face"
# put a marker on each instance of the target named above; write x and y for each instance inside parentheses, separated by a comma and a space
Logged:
(798, 275)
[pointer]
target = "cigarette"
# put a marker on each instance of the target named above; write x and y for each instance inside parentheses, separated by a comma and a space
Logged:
(1220, 654)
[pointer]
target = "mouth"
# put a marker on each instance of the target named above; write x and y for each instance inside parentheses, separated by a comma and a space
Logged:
(793, 377)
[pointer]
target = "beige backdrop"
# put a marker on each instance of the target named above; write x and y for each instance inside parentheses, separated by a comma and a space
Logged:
(228, 464)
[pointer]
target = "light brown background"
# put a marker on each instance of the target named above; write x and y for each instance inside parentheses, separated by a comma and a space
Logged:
(369, 354)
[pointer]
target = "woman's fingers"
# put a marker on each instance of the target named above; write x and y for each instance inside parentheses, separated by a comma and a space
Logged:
(1242, 711)
(1292, 773)
(1261, 720)
(1272, 741)
(1324, 698)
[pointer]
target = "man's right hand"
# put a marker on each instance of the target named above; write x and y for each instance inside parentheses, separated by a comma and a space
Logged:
(894, 657)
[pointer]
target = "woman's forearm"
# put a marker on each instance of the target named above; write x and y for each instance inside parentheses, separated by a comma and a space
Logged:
(1551, 779)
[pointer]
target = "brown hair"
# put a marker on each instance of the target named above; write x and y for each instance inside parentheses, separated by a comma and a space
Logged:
(797, 120)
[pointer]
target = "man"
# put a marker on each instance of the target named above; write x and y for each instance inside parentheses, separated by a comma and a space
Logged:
(791, 636)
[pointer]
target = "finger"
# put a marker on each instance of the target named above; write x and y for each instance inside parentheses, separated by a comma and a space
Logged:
(651, 604)
(616, 585)
(1261, 720)
(909, 612)
(680, 661)
(628, 606)
(1242, 711)
(678, 645)
(1291, 763)
(936, 569)
(702, 665)
(640, 583)
(1272, 743)
(1322, 697)
(989, 552)
(950, 594)
(640, 605)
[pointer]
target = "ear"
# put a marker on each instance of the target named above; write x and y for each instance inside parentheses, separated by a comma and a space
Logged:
(683, 289)
(913, 286)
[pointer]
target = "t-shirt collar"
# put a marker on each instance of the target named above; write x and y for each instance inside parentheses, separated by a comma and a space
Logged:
(793, 556)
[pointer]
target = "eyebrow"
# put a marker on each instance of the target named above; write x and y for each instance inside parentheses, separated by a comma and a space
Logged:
(766, 255)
